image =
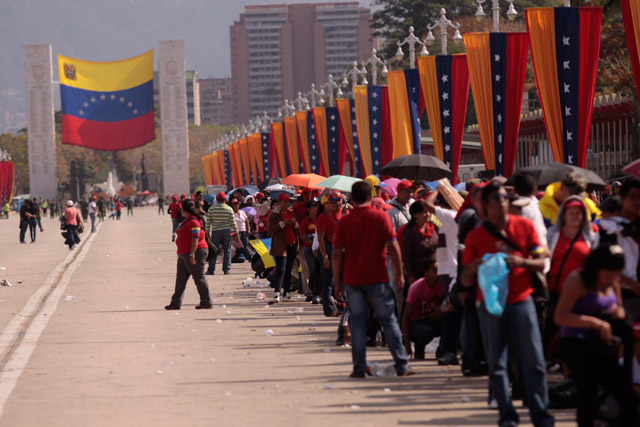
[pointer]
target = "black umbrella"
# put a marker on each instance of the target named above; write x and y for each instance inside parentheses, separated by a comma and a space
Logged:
(417, 167)
(271, 181)
(549, 173)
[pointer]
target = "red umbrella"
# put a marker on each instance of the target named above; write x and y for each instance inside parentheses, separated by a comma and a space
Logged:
(303, 180)
(632, 168)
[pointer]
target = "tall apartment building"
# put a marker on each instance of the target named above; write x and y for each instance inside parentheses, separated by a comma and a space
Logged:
(216, 102)
(193, 95)
(278, 50)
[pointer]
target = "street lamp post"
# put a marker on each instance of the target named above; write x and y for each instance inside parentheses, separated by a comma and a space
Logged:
(315, 95)
(411, 41)
(5, 156)
(444, 25)
(511, 12)
(374, 61)
(300, 102)
(331, 85)
(266, 121)
(351, 74)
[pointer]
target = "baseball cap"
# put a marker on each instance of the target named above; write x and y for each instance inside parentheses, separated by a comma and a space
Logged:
(174, 197)
(69, 202)
(259, 196)
(283, 196)
(334, 196)
(379, 203)
(182, 196)
(221, 196)
(615, 184)
(573, 204)
(404, 185)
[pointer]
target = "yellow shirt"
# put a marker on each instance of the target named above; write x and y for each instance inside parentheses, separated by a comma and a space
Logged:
(549, 207)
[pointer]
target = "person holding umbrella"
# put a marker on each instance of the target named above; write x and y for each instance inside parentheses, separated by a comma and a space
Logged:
(282, 225)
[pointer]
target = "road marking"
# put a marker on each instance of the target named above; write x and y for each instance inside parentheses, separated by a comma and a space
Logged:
(18, 341)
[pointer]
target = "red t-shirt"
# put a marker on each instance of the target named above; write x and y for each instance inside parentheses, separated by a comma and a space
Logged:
(288, 229)
(521, 232)
(327, 223)
(308, 228)
(118, 206)
(174, 208)
(426, 299)
(363, 234)
(300, 210)
(187, 229)
(576, 258)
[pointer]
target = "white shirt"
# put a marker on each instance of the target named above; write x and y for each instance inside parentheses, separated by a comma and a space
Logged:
(532, 212)
(92, 207)
(316, 244)
(241, 220)
(448, 257)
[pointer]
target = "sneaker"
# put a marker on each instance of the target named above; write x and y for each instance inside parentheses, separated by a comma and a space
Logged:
(316, 300)
(203, 306)
(276, 297)
(172, 307)
(173, 238)
(227, 272)
(285, 298)
(209, 273)
(473, 372)
(357, 375)
(309, 299)
(493, 404)
(407, 372)
(448, 359)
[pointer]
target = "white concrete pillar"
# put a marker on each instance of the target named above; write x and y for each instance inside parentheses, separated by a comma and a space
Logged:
(40, 121)
(173, 116)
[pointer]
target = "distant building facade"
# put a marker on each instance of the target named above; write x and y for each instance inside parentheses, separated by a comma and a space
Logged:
(216, 102)
(279, 50)
(193, 96)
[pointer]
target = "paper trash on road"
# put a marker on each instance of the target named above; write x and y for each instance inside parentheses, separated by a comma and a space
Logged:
(268, 332)
(5, 283)
(69, 298)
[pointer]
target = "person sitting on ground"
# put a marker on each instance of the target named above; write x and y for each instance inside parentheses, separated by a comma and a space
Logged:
(422, 319)
(590, 315)
(572, 185)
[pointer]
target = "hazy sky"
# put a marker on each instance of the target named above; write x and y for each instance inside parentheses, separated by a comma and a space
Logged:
(106, 30)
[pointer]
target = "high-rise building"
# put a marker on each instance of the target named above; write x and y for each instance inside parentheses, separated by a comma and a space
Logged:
(278, 50)
(216, 102)
(193, 95)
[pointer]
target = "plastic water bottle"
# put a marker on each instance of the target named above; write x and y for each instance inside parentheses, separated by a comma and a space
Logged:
(383, 369)
(379, 341)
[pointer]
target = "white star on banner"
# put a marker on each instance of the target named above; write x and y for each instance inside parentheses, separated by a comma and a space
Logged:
(355, 134)
(353, 110)
(135, 111)
(122, 99)
(333, 117)
(374, 121)
(375, 149)
(447, 148)
(448, 164)
(500, 139)
(130, 104)
(500, 158)
(566, 88)
(374, 95)
(567, 111)
(498, 98)
(103, 97)
(569, 136)
(86, 104)
(376, 163)
(445, 78)
(565, 41)
(313, 126)
(313, 168)
(353, 122)
(93, 99)
(499, 118)
(333, 128)
(313, 157)
(496, 58)
(333, 140)
(498, 77)
(375, 135)
(313, 137)
(445, 96)
(374, 108)
(81, 112)
(355, 147)
(447, 129)
(313, 147)
(565, 65)
(570, 160)
(445, 113)
(265, 153)
(112, 97)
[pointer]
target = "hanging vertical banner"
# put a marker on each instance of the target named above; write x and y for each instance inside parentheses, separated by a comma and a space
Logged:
(497, 65)
(255, 146)
(404, 97)
(221, 168)
(266, 167)
(6, 181)
(206, 170)
(348, 135)
(565, 48)
(631, 17)
(320, 126)
(210, 169)
(246, 161)
(362, 124)
(277, 130)
(333, 141)
(386, 139)
(445, 88)
(303, 139)
(357, 162)
(291, 132)
(227, 169)
(237, 158)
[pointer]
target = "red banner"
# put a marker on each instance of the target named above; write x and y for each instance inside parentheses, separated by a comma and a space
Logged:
(6, 182)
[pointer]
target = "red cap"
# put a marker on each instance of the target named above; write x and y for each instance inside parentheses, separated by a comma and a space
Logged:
(573, 204)
(235, 202)
(221, 196)
(283, 196)
(379, 203)
(404, 184)
(259, 196)
(174, 198)
(334, 196)
(182, 196)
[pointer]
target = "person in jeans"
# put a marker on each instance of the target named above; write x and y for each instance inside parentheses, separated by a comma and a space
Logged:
(192, 257)
(325, 227)
(307, 232)
(282, 225)
(591, 315)
(220, 224)
(517, 327)
(72, 221)
(93, 209)
(360, 273)
(243, 228)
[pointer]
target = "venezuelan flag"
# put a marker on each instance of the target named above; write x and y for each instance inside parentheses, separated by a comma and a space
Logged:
(445, 88)
(206, 169)
(368, 102)
(246, 161)
(497, 66)
(565, 47)
(107, 105)
(347, 111)
(404, 98)
(310, 146)
(631, 17)
(6, 181)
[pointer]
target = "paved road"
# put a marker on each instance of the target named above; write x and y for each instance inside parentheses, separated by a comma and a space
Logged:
(95, 346)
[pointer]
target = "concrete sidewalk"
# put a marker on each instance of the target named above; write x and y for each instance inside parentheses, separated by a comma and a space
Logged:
(114, 356)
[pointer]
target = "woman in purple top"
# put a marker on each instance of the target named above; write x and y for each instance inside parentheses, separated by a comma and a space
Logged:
(592, 329)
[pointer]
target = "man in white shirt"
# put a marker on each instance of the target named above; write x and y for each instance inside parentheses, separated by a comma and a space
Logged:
(93, 209)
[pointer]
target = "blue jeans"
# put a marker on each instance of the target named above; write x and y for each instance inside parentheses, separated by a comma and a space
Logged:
(422, 332)
(93, 221)
(71, 235)
(222, 238)
(283, 270)
(311, 262)
(175, 222)
(244, 238)
(382, 300)
(33, 223)
(327, 283)
(518, 326)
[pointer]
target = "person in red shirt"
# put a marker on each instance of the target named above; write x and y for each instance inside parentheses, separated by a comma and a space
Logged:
(307, 231)
(284, 245)
(118, 209)
(326, 227)
(518, 324)
(361, 241)
(192, 257)
(174, 210)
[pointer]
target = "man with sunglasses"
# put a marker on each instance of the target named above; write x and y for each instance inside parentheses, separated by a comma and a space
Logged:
(518, 324)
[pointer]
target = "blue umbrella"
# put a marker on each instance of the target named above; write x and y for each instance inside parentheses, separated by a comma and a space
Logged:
(247, 190)
(209, 198)
(274, 194)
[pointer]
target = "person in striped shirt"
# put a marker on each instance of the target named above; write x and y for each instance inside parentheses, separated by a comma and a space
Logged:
(221, 222)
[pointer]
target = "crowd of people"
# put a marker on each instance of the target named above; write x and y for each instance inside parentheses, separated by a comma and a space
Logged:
(572, 296)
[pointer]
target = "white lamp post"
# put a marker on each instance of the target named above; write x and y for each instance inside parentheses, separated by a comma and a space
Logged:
(374, 62)
(331, 85)
(315, 95)
(300, 102)
(411, 40)
(511, 13)
(444, 25)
